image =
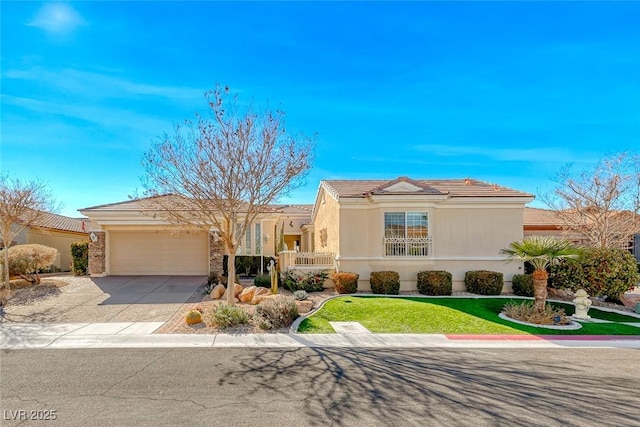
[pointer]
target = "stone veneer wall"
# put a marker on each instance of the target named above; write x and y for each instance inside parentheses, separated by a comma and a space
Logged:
(97, 253)
(216, 255)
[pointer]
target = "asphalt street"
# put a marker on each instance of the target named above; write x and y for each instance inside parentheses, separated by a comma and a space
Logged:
(320, 386)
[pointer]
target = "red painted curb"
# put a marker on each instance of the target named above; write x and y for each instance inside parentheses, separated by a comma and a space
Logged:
(495, 337)
(544, 337)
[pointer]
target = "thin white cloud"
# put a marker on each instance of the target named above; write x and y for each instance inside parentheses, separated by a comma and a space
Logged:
(97, 85)
(57, 19)
(113, 119)
(500, 154)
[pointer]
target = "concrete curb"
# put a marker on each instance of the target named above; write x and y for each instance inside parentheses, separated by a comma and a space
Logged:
(139, 335)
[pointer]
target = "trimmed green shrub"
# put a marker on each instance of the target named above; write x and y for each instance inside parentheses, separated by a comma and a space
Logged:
(385, 282)
(435, 282)
(226, 315)
(345, 282)
(277, 312)
(262, 280)
(294, 280)
(80, 257)
(600, 272)
(522, 285)
(27, 260)
(484, 282)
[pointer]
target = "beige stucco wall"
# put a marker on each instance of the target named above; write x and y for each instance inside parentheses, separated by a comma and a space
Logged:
(465, 238)
(268, 247)
(408, 270)
(472, 231)
(327, 217)
(56, 239)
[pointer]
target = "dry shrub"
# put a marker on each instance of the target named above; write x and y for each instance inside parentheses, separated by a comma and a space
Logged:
(345, 282)
(526, 312)
(27, 261)
(277, 312)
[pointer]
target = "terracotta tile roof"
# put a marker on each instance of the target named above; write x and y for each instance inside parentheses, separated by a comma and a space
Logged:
(294, 209)
(63, 223)
(154, 203)
(129, 205)
(453, 187)
(534, 217)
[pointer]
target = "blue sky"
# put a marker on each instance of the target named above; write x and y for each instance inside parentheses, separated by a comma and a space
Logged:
(504, 92)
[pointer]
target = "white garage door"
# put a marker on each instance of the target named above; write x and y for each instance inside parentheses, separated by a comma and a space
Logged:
(158, 252)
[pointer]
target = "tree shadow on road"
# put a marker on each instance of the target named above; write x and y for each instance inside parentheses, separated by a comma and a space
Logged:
(438, 387)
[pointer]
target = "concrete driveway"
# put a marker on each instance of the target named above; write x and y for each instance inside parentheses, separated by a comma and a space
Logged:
(111, 299)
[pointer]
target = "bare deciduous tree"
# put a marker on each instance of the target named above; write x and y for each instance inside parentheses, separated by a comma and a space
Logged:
(602, 204)
(225, 170)
(22, 205)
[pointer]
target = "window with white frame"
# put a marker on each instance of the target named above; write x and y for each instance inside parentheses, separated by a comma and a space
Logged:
(251, 243)
(407, 234)
(258, 247)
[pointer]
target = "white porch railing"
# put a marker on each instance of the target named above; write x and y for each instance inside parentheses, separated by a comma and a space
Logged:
(407, 246)
(290, 260)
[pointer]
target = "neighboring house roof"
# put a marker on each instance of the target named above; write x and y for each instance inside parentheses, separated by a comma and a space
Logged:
(294, 209)
(452, 187)
(153, 204)
(540, 218)
(53, 221)
(545, 218)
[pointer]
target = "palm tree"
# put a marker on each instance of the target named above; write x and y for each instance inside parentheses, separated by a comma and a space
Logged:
(541, 252)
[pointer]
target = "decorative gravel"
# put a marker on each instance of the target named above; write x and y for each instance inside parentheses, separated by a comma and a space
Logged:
(24, 293)
(177, 325)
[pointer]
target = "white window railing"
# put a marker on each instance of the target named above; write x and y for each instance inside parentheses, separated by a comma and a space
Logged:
(408, 246)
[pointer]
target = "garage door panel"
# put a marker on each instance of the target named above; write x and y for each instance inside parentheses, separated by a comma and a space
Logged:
(158, 252)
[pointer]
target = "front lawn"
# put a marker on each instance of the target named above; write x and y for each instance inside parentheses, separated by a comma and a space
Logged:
(446, 316)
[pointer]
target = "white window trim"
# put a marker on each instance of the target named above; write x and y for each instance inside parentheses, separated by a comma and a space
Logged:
(405, 244)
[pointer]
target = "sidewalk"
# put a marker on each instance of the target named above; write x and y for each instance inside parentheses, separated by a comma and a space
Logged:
(140, 335)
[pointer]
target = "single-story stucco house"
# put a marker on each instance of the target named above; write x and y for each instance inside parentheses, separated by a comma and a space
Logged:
(128, 238)
(409, 225)
(56, 231)
(403, 224)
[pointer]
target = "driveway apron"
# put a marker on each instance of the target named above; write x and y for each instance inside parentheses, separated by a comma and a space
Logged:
(111, 299)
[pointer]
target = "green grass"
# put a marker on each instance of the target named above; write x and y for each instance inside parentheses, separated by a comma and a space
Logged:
(446, 316)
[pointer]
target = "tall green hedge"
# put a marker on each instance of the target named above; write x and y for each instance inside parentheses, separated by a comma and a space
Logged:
(80, 257)
(600, 272)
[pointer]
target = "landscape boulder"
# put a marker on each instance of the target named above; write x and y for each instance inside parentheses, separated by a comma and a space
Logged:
(304, 306)
(218, 291)
(237, 289)
(258, 294)
(247, 294)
